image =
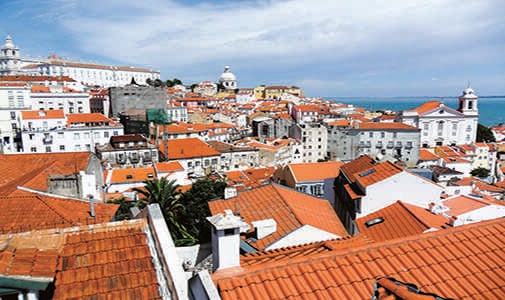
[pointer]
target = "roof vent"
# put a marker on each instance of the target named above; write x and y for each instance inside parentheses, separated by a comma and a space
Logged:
(373, 222)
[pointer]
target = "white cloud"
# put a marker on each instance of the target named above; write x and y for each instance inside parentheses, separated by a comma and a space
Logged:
(329, 39)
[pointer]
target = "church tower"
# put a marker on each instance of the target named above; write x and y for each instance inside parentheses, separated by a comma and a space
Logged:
(468, 103)
(10, 61)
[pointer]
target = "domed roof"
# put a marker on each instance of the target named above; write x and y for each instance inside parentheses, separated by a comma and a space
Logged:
(227, 75)
(469, 93)
(8, 43)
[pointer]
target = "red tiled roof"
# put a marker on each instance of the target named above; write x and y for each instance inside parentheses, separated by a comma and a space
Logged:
(42, 114)
(461, 204)
(481, 185)
(31, 78)
(187, 148)
(289, 208)
(377, 173)
(169, 166)
(35, 212)
(466, 262)
(426, 155)
(31, 170)
(315, 171)
(131, 174)
(357, 165)
(399, 220)
(386, 126)
(89, 118)
(249, 178)
(102, 261)
(427, 107)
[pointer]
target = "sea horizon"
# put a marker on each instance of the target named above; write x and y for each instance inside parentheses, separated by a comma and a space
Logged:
(491, 108)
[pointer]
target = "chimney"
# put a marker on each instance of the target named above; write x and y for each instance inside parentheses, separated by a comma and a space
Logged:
(264, 228)
(226, 230)
(230, 192)
(91, 206)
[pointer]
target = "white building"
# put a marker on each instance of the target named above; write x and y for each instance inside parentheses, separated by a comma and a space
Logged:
(314, 139)
(87, 73)
(365, 186)
(14, 97)
(62, 98)
(348, 140)
(53, 131)
(443, 125)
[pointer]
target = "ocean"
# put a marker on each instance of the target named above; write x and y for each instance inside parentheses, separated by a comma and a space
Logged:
(491, 108)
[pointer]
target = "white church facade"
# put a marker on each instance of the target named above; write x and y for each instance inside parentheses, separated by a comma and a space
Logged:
(11, 63)
(443, 125)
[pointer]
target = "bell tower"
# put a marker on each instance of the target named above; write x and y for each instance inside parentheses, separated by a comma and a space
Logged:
(468, 102)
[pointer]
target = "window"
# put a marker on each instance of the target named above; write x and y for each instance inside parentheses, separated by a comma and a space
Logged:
(13, 115)
(62, 147)
(33, 149)
(383, 134)
(440, 128)
(76, 136)
(77, 147)
(370, 134)
(116, 132)
(48, 149)
(105, 134)
(454, 129)
(395, 134)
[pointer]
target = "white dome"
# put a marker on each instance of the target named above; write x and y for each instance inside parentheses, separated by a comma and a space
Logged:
(227, 75)
(469, 93)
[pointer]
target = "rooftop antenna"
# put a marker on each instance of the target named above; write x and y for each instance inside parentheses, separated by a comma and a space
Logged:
(468, 84)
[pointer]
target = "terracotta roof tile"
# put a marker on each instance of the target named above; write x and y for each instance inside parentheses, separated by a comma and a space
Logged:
(131, 174)
(386, 126)
(377, 173)
(315, 171)
(249, 178)
(168, 166)
(42, 114)
(34, 212)
(104, 261)
(290, 210)
(466, 262)
(31, 170)
(188, 148)
(90, 118)
(399, 220)
(426, 155)
(357, 165)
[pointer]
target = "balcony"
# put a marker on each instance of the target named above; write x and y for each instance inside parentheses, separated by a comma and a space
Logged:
(379, 145)
(390, 145)
(398, 145)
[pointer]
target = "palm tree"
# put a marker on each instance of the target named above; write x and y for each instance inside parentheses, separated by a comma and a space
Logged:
(165, 193)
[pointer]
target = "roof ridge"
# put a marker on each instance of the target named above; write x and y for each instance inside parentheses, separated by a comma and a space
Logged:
(274, 185)
(53, 209)
(377, 245)
(413, 214)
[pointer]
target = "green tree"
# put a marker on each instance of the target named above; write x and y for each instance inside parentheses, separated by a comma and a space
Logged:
(123, 212)
(480, 172)
(165, 193)
(149, 81)
(158, 83)
(197, 210)
(484, 134)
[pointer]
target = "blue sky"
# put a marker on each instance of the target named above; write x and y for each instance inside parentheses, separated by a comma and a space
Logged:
(329, 48)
